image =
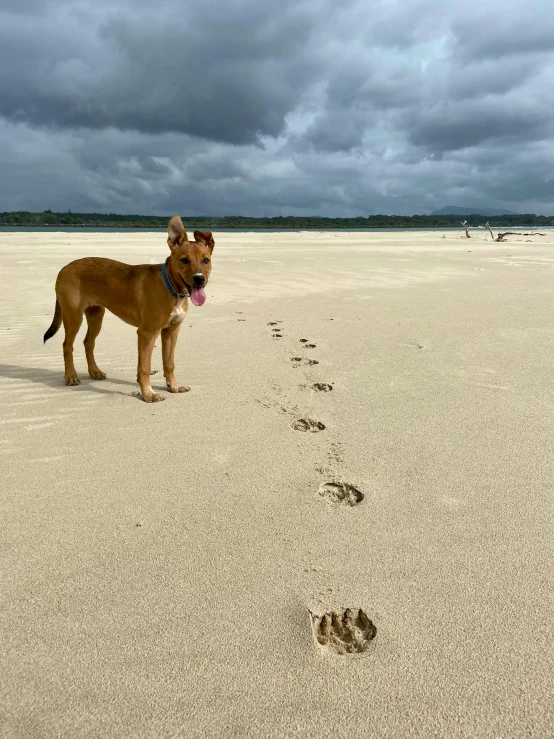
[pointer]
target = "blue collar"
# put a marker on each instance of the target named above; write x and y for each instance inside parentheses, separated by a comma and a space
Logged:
(178, 296)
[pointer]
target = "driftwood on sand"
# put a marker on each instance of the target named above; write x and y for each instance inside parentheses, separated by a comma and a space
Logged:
(464, 224)
(490, 230)
(502, 236)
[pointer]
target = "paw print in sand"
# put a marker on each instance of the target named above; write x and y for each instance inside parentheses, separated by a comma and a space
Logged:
(343, 632)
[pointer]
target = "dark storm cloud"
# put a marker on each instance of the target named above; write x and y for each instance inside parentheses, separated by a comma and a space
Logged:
(450, 127)
(302, 106)
(215, 70)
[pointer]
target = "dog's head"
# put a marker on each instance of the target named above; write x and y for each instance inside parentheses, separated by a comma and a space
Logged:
(191, 260)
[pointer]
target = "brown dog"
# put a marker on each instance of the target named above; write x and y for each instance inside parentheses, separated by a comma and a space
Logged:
(152, 297)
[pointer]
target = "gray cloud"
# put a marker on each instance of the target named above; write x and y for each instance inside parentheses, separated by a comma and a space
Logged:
(305, 107)
(447, 127)
(494, 30)
(202, 69)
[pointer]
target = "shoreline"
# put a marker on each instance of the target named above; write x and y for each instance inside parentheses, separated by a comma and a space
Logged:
(156, 229)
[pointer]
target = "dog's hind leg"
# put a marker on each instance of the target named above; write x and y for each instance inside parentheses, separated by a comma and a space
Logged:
(94, 315)
(72, 319)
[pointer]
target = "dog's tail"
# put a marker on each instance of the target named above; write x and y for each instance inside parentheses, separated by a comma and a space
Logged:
(56, 323)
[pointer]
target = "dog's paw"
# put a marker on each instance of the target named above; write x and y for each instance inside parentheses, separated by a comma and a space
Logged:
(153, 398)
(72, 380)
(178, 388)
(98, 375)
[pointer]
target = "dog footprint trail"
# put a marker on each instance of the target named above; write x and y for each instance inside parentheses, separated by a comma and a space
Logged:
(347, 631)
(343, 632)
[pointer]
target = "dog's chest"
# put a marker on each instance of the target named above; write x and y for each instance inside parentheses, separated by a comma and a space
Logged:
(178, 313)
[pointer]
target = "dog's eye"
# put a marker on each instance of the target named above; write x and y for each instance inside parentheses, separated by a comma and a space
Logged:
(185, 261)
(206, 260)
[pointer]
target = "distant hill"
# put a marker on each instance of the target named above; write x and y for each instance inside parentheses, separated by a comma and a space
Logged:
(453, 210)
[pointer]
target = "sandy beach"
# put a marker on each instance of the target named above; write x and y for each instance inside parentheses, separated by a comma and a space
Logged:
(160, 561)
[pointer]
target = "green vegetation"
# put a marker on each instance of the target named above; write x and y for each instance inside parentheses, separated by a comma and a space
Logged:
(112, 220)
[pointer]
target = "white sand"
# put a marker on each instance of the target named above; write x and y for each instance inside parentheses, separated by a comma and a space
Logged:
(158, 561)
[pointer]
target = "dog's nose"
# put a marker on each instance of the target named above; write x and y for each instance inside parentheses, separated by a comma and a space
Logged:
(199, 279)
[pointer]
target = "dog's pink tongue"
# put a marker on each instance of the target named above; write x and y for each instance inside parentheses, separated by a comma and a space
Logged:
(198, 296)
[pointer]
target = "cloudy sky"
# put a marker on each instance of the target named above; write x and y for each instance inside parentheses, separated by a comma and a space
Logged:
(276, 107)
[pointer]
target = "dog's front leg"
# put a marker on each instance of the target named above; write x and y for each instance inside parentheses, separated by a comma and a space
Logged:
(169, 342)
(146, 340)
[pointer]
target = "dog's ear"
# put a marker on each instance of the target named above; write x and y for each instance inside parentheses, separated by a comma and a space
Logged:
(176, 233)
(206, 238)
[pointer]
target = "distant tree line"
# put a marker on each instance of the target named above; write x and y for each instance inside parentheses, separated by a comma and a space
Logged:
(113, 220)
